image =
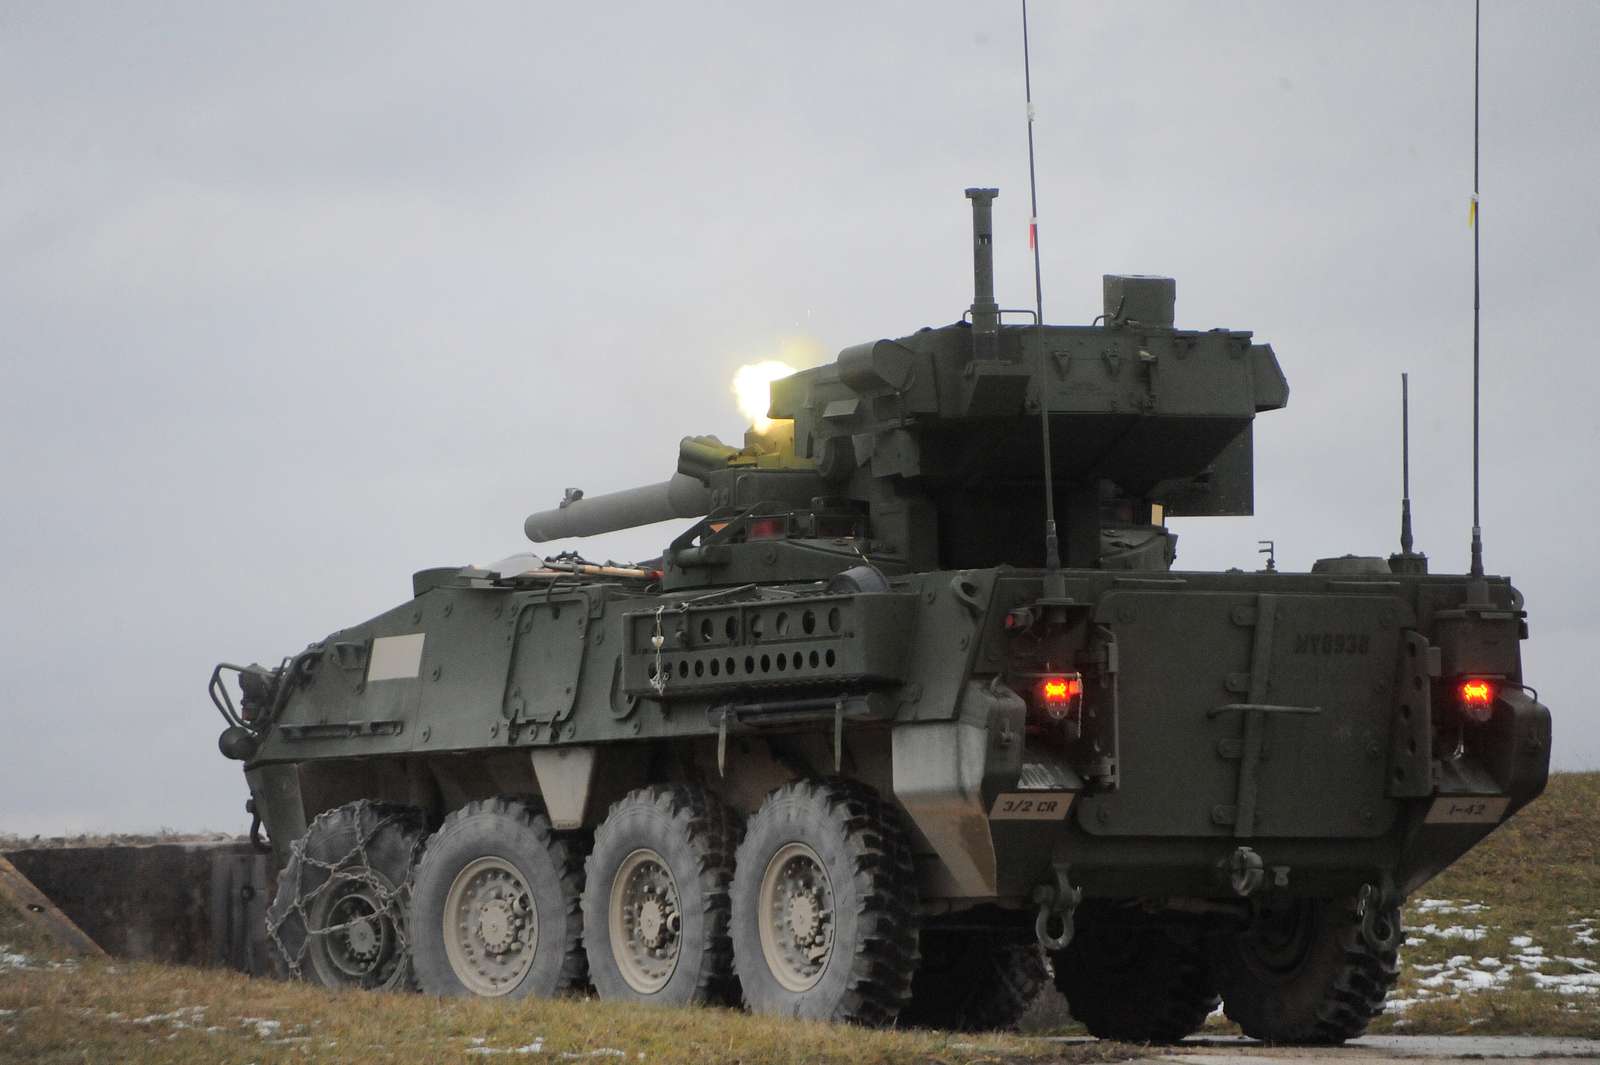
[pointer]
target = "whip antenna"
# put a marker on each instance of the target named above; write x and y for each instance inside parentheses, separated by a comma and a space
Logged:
(1052, 543)
(1405, 464)
(1407, 561)
(1477, 528)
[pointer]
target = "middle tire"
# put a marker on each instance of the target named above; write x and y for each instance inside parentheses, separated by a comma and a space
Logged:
(655, 908)
(974, 981)
(1133, 982)
(494, 905)
(824, 905)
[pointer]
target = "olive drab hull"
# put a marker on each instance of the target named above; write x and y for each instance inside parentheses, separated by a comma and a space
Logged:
(1290, 714)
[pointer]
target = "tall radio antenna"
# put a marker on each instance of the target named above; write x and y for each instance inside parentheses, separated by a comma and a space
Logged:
(1052, 542)
(1477, 528)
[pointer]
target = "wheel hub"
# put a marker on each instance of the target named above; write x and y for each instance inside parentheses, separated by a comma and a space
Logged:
(498, 925)
(804, 919)
(652, 922)
(362, 939)
(358, 932)
(491, 929)
(795, 920)
(645, 921)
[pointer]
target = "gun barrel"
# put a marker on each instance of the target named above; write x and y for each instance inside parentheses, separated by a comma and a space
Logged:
(681, 497)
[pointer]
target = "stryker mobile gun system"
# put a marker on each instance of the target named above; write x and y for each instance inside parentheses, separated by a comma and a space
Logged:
(863, 744)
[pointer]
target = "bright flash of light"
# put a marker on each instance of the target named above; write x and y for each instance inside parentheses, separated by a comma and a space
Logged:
(750, 386)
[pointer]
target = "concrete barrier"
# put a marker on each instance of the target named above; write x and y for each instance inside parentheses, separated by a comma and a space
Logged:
(187, 903)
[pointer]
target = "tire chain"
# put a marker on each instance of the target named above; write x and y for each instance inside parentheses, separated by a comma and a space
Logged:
(351, 867)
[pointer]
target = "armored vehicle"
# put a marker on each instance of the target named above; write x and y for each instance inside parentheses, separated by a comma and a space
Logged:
(913, 704)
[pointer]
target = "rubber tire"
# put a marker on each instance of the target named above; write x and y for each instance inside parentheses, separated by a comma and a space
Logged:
(974, 981)
(1331, 995)
(1135, 984)
(517, 832)
(695, 835)
(391, 836)
(865, 848)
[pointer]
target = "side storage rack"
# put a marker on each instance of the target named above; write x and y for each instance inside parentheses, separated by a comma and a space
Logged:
(848, 642)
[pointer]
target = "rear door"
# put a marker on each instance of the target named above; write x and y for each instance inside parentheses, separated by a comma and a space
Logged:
(1251, 715)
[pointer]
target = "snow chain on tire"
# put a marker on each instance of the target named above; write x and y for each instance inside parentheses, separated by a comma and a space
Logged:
(309, 879)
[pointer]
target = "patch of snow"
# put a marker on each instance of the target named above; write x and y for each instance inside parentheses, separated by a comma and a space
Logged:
(1470, 933)
(265, 1027)
(1447, 906)
(1463, 974)
(7, 1013)
(179, 1018)
(1415, 941)
(535, 1047)
(1521, 941)
(13, 961)
(1577, 983)
(599, 1052)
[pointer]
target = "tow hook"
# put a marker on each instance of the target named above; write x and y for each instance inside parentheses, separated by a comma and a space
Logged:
(1243, 870)
(1378, 930)
(1057, 903)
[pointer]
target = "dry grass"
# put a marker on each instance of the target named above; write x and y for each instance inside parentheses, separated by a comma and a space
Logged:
(140, 1014)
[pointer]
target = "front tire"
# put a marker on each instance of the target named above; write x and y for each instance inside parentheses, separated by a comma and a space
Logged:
(655, 905)
(339, 917)
(495, 906)
(824, 905)
(1306, 973)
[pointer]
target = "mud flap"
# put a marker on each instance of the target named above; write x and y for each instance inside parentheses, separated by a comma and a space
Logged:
(939, 770)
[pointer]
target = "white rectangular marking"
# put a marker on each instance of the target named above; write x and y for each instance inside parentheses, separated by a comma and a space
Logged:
(1030, 806)
(396, 657)
(1467, 810)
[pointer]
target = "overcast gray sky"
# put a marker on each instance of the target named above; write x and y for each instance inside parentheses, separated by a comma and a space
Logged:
(296, 299)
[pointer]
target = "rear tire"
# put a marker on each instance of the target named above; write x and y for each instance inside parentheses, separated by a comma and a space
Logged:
(495, 905)
(655, 902)
(1133, 983)
(1305, 973)
(824, 905)
(974, 981)
(339, 917)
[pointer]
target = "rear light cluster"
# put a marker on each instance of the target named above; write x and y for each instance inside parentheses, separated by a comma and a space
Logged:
(1059, 697)
(1475, 698)
(1054, 700)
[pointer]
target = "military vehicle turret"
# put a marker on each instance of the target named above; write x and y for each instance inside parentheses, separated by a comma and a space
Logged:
(914, 699)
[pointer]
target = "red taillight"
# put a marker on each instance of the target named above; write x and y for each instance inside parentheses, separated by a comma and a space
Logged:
(1059, 696)
(767, 529)
(1476, 699)
(1019, 620)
